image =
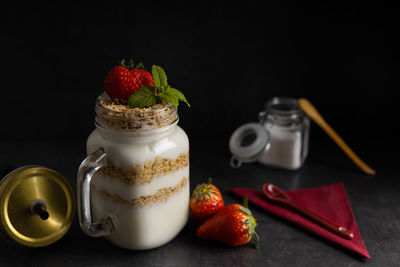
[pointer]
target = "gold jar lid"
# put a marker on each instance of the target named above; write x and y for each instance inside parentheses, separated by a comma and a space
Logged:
(37, 206)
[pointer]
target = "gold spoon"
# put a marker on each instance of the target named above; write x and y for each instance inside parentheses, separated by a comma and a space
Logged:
(313, 113)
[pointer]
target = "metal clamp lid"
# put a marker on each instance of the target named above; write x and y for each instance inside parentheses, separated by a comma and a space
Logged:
(248, 143)
(37, 206)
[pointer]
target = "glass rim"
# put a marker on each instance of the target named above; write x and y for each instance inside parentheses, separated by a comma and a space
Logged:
(293, 107)
(134, 119)
(123, 114)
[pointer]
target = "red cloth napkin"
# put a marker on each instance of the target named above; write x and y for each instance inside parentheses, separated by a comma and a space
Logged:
(328, 201)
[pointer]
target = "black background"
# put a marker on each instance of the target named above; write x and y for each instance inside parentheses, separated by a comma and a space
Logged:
(227, 59)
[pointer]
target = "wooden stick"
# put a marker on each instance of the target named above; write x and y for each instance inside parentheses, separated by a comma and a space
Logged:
(313, 113)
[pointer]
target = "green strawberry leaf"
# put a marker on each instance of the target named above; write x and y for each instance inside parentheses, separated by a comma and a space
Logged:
(139, 66)
(130, 65)
(143, 97)
(246, 201)
(245, 210)
(256, 239)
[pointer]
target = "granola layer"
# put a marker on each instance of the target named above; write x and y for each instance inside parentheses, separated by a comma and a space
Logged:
(116, 115)
(144, 173)
(162, 195)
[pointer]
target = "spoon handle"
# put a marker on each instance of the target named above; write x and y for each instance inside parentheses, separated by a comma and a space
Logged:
(312, 112)
(331, 226)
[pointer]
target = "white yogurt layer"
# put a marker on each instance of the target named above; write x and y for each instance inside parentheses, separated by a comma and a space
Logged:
(124, 151)
(154, 224)
(145, 227)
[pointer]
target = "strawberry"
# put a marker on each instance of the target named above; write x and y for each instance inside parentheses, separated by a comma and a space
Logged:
(141, 78)
(205, 201)
(233, 225)
(122, 81)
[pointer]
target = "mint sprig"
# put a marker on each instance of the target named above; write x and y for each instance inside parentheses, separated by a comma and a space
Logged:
(143, 97)
(151, 95)
(173, 95)
(159, 77)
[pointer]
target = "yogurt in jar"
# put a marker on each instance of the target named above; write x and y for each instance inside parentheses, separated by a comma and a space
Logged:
(143, 185)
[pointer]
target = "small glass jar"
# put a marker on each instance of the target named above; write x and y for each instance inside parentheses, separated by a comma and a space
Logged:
(133, 188)
(280, 139)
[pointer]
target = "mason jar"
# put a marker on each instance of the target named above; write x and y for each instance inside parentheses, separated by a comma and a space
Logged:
(280, 138)
(133, 188)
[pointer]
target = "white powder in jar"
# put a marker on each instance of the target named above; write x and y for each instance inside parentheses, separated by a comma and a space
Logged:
(285, 149)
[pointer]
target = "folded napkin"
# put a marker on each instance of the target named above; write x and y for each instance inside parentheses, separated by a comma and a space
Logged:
(328, 201)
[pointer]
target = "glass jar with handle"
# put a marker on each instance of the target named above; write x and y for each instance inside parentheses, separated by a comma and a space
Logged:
(133, 188)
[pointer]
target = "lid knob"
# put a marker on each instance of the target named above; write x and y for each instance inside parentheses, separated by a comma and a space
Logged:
(38, 207)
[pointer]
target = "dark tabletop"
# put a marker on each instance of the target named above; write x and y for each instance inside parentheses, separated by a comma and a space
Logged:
(374, 200)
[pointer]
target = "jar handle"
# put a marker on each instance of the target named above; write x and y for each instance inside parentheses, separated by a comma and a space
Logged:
(87, 169)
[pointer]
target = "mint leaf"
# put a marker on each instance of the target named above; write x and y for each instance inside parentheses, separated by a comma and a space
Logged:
(178, 94)
(172, 95)
(142, 97)
(151, 95)
(159, 76)
(169, 97)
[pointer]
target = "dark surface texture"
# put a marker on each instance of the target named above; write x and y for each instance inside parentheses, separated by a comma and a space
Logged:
(374, 201)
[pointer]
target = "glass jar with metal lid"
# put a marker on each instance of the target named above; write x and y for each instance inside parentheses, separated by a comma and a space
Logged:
(279, 139)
